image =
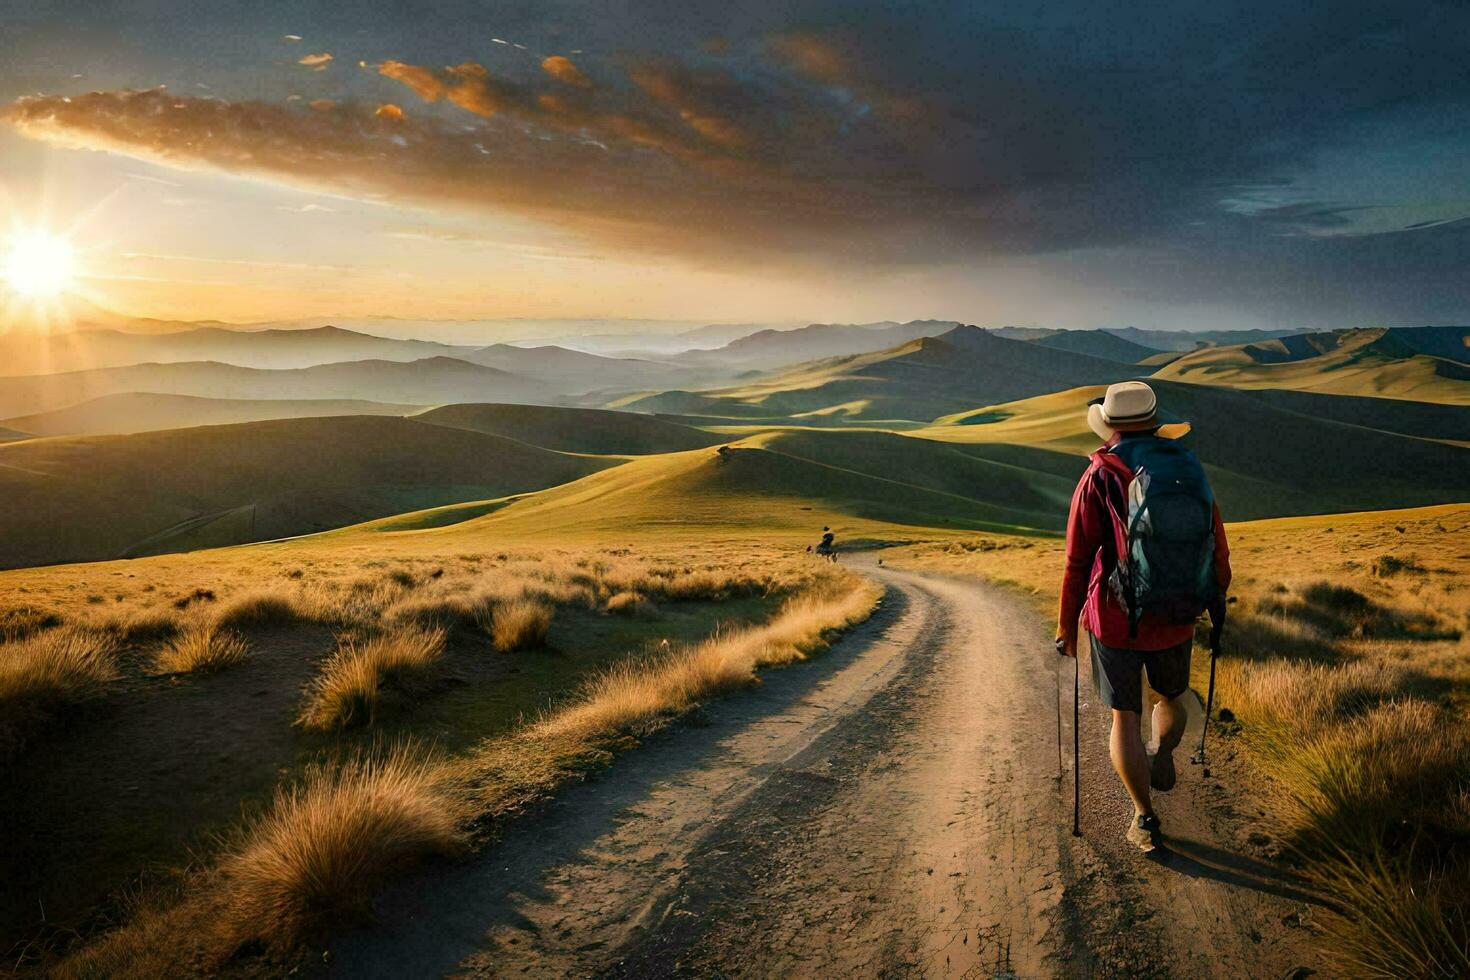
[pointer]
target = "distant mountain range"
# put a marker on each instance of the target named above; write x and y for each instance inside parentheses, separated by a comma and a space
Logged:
(919, 380)
(575, 372)
(563, 370)
(765, 350)
(146, 411)
(272, 349)
(1186, 340)
(431, 381)
(1097, 343)
(1154, 340)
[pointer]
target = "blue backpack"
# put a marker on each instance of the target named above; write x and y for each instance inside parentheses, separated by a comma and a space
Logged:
(1166, 568)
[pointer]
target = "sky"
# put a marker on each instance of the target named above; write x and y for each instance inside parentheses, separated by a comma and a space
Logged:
(1183, 165)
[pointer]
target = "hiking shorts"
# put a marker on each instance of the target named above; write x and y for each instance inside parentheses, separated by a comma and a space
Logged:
(1119, 673)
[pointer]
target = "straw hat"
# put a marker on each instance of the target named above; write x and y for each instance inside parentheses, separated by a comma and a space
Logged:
(1130, 406)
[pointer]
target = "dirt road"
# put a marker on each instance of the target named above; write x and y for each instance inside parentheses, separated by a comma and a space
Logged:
(892, 808)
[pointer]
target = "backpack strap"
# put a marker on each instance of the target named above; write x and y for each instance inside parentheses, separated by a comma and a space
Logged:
(1113, 475)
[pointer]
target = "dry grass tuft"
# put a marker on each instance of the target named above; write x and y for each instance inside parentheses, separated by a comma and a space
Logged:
(147, 625)
(19, 622)
(347, 691)
(326, 844)
(204, 649)
(444, 609)
(47, 672)
(402, 577)
(275, 607)
(627, 604)
(520, 624)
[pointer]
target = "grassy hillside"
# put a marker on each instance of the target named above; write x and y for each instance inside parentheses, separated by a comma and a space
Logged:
(1269, 453)
(97, 497)
(148, 412)
(788, 484)
(1378, 363)
(1450, 343)
(1098, 343)
(430, 381)
(574, 430)
(921, 380)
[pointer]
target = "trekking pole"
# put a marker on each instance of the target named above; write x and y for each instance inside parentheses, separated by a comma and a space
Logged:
(1056, 676)
(1076, 749)
(1216, 627)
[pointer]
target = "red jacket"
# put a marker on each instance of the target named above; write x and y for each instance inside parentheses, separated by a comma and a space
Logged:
(1084, 586)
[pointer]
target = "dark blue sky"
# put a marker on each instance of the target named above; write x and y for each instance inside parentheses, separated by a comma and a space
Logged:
(1197, 163)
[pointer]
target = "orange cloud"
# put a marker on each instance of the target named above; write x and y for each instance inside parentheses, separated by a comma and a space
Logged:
(316, 61)
(814, 56)
(322, 105)
(824, 60)
(563, 70)
(618, 193)
(680, 161)
(475, 90)
(690, 96)
(425, 84)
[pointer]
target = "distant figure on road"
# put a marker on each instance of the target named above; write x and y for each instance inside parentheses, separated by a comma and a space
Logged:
(1146, 554)
(827, 547)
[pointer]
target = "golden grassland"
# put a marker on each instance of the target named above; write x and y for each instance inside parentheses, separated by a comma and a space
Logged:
(380, 711)
(1346, 677)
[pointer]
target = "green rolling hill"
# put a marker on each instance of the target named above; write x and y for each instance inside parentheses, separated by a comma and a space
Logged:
(91, 498)
(574, 430)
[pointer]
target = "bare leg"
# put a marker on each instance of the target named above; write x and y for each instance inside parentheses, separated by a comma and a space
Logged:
(1170, 720)
(1129, 759)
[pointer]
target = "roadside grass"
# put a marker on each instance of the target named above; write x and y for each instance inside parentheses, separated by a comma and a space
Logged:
(204, 648)
(348, 690)
(311, 860)
(48, 673)
(636, 697)
(1347, 666)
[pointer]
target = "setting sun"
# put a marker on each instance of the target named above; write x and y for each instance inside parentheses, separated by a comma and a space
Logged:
(38, 264)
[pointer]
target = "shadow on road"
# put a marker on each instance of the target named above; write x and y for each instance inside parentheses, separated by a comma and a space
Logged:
(1199, 860)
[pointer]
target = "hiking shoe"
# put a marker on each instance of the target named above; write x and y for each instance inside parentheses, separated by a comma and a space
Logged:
(1161, 774)
(1143, 832)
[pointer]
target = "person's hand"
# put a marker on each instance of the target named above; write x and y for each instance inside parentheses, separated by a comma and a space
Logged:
(1066, 647)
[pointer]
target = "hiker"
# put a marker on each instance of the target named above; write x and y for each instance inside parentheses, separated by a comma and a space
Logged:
(1144, 497)
(827, 548)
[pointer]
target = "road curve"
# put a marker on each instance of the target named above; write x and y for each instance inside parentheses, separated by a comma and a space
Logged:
(890, 808)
